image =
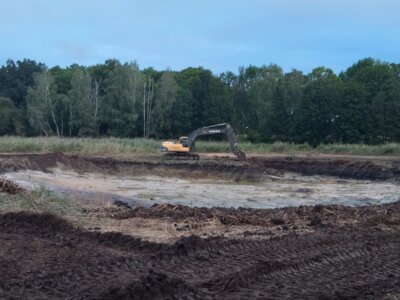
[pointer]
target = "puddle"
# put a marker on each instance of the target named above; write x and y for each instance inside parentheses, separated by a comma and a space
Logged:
(151, 189)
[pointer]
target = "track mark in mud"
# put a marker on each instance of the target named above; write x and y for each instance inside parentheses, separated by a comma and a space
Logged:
(285, 218)
(64, 261)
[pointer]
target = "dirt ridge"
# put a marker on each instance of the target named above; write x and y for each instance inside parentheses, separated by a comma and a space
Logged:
(254, 169)
(332, 262)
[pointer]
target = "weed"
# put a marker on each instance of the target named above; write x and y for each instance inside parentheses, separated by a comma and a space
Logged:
(141, 146)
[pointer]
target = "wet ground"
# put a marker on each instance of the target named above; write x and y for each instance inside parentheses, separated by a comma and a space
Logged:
(217, 182)
(277, 191)
(325, 251)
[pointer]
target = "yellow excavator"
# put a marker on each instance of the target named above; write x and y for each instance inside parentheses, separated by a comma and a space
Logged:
(184, 147)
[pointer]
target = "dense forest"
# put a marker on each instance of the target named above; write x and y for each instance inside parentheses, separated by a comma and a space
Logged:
(359, 105)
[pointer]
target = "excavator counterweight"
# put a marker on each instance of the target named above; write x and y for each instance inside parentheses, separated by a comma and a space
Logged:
(185, 145)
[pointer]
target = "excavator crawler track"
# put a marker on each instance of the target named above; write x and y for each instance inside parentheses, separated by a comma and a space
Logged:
(181, 156)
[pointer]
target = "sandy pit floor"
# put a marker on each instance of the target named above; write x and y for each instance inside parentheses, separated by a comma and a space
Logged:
(288, 190)
(58, 248)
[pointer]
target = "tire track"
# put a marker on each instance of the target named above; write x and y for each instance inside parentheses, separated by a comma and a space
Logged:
(45, 257)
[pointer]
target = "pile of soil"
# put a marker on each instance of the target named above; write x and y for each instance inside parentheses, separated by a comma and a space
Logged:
(9, 187)
(254, 169)
(43, 257)
(41, 162)
(345, 168)
(289, 217)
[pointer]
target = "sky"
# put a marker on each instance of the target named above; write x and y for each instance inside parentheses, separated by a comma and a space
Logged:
(219, 35)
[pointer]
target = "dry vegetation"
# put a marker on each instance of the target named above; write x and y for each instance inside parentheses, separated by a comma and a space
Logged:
(140, 146)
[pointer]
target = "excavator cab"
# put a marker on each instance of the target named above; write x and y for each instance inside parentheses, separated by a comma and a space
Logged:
(184, 141)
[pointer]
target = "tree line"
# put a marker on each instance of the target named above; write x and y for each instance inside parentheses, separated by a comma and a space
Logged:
(359, 105)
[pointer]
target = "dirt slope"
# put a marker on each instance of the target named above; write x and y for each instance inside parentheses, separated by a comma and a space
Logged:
(330, 252)
(42, 256)
(255, 168)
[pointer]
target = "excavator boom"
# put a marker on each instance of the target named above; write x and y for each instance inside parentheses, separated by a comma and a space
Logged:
(187, 144)
(223, 128)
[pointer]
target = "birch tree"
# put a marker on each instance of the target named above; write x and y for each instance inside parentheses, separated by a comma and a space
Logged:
(148, 95)
(82, 108)
(41, 104)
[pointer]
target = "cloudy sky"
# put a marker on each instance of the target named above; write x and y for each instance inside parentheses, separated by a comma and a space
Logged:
(216, 34)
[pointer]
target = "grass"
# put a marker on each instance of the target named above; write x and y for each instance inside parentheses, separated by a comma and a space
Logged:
(39, 201)
(112, 146)
(81, 213)
(140, 146)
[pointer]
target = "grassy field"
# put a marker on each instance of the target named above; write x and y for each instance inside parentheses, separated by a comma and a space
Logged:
(140, 146)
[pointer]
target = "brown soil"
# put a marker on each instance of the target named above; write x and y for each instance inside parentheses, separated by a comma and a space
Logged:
(43, 256)
(320, 252)
(290, 217)
(9, 187)
(346, 168)
(255, 168)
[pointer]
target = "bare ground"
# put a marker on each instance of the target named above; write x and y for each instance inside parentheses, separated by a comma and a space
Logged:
(255, 168)
(306, 252)
(43, 256)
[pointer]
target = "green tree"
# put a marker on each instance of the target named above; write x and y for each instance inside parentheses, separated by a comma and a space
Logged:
(182, 113)
(118, 112)
(386, 111)
(16, 77)
(42, 101)
(164, 103)
(7, 116)
(81, 105)
(282, 118)
(320, 108)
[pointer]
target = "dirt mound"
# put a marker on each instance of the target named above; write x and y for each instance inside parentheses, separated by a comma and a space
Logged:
(254, 169)
(42, 162)
(43, 225)
(9, 187)
(46, 257)
(357, 169)
(290, 217)
(186, 169)
(51, 227)
(152, 286)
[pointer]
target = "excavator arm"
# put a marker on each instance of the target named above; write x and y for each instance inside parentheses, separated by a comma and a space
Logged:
(223, 128)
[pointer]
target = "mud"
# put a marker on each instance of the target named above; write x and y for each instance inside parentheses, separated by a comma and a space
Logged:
(290, 217)
(185, 169)
(303, 252)
(145, 190)
(9, 187)
(210, 182)
(361, 168)
(255, 168)
(43, 256)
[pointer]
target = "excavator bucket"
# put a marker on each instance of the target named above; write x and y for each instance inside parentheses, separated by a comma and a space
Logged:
(241, 155)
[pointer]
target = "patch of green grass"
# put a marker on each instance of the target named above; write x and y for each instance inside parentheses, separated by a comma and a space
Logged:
(360, 149)
(141, 146)
(78, 145)
(39, 201)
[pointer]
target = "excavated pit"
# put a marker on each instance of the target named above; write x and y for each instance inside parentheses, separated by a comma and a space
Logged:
(260, 182)
(300, 252)
(255, 168)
